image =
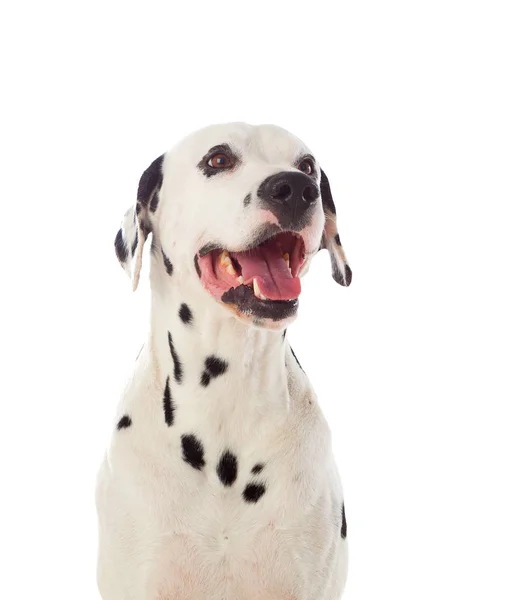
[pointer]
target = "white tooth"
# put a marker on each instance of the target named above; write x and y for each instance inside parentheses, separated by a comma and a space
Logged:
(230, 270)
(240, 279)
(256, 289)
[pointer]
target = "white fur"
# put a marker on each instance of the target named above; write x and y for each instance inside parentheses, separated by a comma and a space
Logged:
(166, 530)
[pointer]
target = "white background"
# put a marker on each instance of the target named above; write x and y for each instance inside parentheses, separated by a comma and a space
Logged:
(413, 108)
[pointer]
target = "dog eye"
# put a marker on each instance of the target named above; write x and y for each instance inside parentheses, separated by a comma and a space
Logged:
(306, 166)
(220, 161)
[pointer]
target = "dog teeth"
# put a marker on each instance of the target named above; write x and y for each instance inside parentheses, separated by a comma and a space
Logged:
(256, 290)
(226, 263)
(240, 279)
(286, 260)
(225, 259)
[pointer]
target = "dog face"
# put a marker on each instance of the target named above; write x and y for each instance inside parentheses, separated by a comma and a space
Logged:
(242, 209)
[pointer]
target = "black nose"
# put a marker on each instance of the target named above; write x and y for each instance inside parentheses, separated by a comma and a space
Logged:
(289, 195)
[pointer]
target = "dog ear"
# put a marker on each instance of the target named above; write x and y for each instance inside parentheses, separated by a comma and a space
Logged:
(135, 227)
(330, 238)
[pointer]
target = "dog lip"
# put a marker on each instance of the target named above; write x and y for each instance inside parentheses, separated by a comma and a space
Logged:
(247, 303)
(240, 290)
(207, 248)
(266, 234)
(260, 237)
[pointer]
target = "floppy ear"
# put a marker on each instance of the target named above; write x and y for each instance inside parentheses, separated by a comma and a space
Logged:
(135, 227)
(330, 238)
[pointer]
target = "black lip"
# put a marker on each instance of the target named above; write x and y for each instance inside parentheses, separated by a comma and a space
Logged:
(206, 249)
(246, 302)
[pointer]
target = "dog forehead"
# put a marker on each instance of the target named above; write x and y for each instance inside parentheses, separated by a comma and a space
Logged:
(265, 142)
(276, 142)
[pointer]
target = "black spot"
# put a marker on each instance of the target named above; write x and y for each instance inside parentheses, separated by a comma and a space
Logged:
(138, 209)
(213, 368)
(325, 192)
(145, 228)
(349, 275)
(227, 468)
(343, 529)
(197, 267)
(253, 492)
(150, 181)
(337, 239)
(168, 405)
(247, 200)
(168, 265)
(120, 246)
(343, 279)
(155, 201)
(124, 422)
(284, 334)
(193, 451)
(257, 468)
(295, 357)
(178, 367)
(134, 245)
(185, 314)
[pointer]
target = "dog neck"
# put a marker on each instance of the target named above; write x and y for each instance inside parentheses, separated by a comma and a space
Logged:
(204, 350)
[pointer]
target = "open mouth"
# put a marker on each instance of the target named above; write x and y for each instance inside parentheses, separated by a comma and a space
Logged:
(262, 281)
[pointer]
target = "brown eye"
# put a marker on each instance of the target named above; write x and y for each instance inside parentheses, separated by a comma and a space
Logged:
(220, 161)
(306, 166)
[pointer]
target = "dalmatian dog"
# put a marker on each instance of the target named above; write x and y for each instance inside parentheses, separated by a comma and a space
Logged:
(219, 482)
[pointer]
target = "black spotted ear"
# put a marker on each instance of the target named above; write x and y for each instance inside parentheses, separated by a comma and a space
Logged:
(135, 227)
(330, 238)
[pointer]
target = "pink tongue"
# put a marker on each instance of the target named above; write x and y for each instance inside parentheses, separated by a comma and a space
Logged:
(271, 271)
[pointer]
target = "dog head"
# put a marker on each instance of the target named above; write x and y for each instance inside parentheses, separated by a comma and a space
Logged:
(241, 209)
